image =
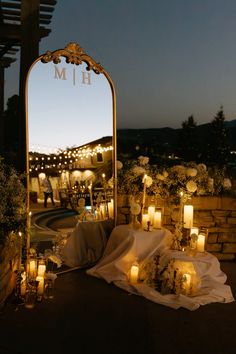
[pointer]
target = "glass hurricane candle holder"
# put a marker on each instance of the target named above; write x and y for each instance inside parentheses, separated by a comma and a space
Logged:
(30, 295)
(49, 278)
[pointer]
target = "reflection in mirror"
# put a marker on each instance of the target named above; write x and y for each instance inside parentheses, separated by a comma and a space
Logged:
(71, 134)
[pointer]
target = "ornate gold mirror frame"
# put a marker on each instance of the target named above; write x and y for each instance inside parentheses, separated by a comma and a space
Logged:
(72, 54)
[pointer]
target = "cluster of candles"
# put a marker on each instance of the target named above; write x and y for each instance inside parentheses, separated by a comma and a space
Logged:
(201, 239)
(35, 281)
(188, 224)
(152, 219)
(187, 279)
(105, 210)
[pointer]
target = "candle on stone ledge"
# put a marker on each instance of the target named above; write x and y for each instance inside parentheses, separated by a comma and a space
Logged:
(145, 219)
(41, 268)
(157, 220)
(40, 287)
(194, 230)
(151, 213)
(32, 270)
(188, 216)
(111, 208)
(201, 243)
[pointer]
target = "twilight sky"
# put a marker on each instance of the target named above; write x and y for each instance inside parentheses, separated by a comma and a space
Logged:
(168, 59)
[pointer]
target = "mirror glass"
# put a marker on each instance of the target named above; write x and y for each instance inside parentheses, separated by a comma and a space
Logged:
(71, 135)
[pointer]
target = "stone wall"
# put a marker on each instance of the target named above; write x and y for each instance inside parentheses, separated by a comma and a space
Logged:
(217, 214)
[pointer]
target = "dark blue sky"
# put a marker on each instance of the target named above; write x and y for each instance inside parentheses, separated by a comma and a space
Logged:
(168, 59)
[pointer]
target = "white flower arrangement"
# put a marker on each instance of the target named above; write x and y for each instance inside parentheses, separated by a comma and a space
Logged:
(170, 278)
(171, 183)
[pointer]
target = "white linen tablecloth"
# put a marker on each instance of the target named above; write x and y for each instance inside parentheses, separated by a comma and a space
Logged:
(125, 245)
(86, 244)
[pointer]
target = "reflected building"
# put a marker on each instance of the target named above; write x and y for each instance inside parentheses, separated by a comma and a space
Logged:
(71, 170)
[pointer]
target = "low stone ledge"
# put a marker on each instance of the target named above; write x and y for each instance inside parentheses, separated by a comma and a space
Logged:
(214, 247)
(212, 238)
(229, 237)
(224, 256)
(231, 221)
(229, 248)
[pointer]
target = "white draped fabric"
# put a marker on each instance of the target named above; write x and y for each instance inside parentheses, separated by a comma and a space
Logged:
(86, 244)
(126, 245)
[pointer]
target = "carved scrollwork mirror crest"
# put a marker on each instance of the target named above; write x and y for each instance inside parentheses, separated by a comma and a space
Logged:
(73, 54)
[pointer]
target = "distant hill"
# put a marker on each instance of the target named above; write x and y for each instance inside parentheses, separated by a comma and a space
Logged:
(231, 123)
(164, 139)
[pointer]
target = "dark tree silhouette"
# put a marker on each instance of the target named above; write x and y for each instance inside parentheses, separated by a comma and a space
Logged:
(11, 130)
(217, 151)
(187, 140)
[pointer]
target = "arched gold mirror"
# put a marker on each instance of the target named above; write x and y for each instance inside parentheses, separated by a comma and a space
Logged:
(71, 121)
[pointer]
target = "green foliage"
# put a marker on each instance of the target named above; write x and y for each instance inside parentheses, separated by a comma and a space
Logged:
(13, 201)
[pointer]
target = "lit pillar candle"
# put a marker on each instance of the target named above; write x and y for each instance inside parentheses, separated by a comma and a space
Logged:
(40, 287)
(194, 230)
(201, 243)
(91, 196)
(144, 189)
(41, 269)
(110, 208)
(32, 268)
(151, 212)
(188, 216)
(134, 271)
(20, 250)
(145, 219)
(23, 285)
(103, 211)
(157, 220)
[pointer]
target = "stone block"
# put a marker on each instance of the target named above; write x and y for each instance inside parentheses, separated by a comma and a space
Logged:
(229, 248)
(221, 213)
(206, 202)
(228, 203)
(231, 221)
(214, 247)
(212, 238)
(227, 237)
(220, 220)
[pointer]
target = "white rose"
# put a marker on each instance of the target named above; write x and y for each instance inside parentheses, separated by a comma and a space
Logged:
(137, 170)
(143, 160)
(135, 208)
(119, 165)
(191, 172)
(165, 174)
(160, 177)
(202, 167)
(148, 181)
(191, 186)
(227, 183)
